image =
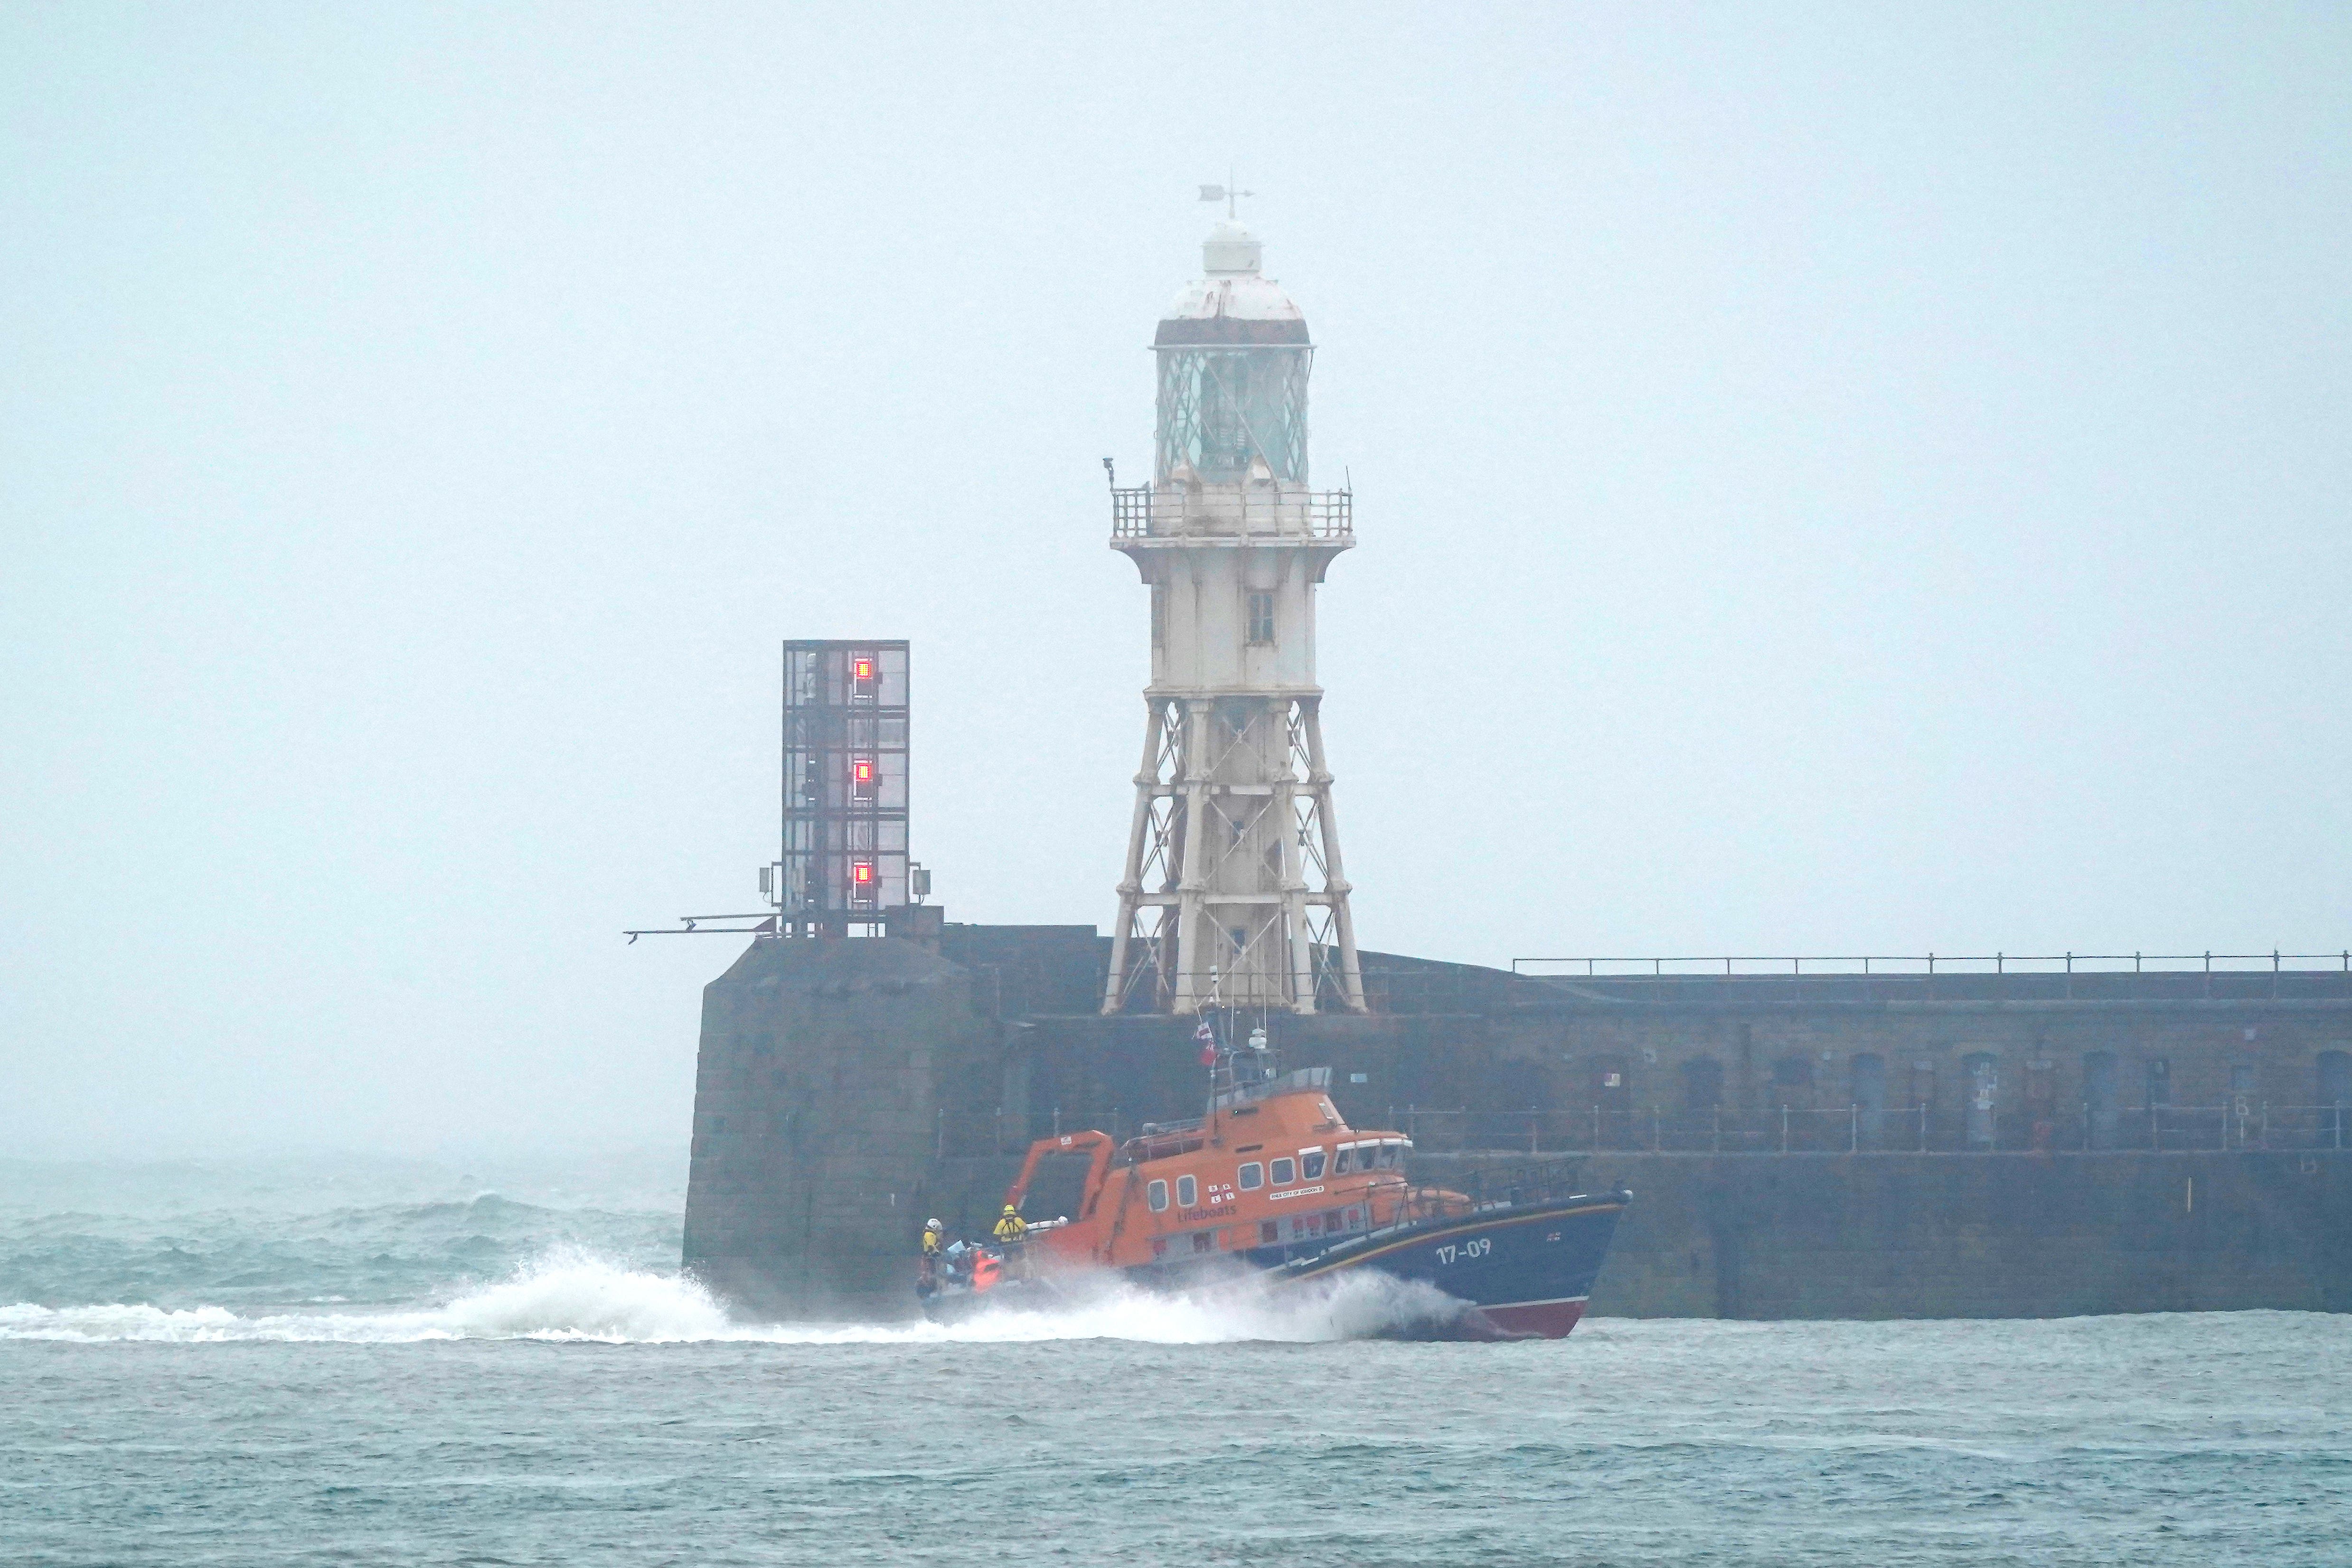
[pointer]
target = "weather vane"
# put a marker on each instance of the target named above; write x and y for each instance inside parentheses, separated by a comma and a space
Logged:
(1226, 194)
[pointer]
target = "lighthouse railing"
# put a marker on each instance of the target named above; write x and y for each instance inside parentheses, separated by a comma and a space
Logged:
(1245, 511)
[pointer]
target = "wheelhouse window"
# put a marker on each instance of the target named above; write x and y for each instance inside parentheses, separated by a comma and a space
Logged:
(1344, 1160)
(1156, 1195)
(1252, 1177)
(1285, 1172)
(1188, 1192)
(1310, 1164)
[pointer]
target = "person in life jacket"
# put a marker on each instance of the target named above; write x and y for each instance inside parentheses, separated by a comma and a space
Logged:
(927, 1277)
(1012, 1227)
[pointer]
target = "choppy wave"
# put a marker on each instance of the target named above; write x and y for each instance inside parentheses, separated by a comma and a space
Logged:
(392, 1254)
(567, 1294)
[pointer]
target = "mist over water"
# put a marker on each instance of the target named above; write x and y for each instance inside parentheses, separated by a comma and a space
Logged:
(532, 1381)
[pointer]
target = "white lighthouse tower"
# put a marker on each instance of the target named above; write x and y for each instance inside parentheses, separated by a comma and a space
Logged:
(1234, 891)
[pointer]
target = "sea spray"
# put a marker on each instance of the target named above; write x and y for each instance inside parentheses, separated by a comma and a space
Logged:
(568, 1293)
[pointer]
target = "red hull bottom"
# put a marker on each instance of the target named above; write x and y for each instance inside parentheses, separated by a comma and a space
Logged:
(1536, 1320)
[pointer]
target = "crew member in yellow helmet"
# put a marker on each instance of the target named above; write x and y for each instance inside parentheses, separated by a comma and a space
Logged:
(927, 1275)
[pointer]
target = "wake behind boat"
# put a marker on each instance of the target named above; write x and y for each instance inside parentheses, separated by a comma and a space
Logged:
(1271, 1186)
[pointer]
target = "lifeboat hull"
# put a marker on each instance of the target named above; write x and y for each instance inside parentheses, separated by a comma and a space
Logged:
(1521, 1271)
(1528, 1269)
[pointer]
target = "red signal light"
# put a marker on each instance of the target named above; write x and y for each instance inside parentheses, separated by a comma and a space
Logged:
(862, 770)
(861, 669)
(861, 872)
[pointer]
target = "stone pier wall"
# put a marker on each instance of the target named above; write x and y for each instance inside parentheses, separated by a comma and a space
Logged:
(1969, 1236)
(846, 1089)
(822, 1070)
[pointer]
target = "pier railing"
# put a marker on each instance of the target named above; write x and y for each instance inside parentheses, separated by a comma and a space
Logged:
(2242, 1124)
(1932, 976)
(2239, 1126)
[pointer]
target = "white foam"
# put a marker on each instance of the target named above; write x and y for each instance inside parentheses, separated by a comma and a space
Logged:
(572, 1295)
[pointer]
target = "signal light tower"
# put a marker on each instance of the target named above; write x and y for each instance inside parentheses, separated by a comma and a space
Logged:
(844, 846)
(1234, 891)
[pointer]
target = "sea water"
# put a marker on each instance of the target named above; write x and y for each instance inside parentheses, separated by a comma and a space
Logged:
(257, 1367)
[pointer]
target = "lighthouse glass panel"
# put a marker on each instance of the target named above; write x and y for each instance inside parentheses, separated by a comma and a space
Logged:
(1220, 407)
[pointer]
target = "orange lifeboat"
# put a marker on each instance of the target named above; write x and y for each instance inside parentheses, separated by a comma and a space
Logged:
(1271, 1180)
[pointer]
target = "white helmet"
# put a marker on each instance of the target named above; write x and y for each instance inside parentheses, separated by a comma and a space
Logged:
(930, 1224)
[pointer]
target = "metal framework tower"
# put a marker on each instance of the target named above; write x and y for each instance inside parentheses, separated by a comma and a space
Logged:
(1233, 887)
(844, 844)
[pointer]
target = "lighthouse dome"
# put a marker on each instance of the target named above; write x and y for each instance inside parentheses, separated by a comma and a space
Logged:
(1233, 301)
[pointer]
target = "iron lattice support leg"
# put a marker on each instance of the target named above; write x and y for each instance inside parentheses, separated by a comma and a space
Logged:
(1335, 884)
(1192, 948)
(1294, 904)
(1125, 939)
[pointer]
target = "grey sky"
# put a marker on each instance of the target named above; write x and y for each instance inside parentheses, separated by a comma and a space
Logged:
(1857, 481)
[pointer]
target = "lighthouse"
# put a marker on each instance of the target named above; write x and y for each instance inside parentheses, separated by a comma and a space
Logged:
(1234, 893)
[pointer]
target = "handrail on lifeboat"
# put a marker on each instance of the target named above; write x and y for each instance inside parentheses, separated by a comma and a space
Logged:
(1483, 1190)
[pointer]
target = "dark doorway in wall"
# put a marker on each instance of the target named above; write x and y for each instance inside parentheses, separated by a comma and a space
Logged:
(1792, 1100)
(2041, 1102)
(2102, 1099)
(1982, 1069)
(1870, 1101)
(1505, 1107)
(2336, 1098)
(2336, 1078)
(1702, 1085)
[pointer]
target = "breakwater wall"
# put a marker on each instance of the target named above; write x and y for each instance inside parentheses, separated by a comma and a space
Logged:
(1970, 1235)
(1995, 1149)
